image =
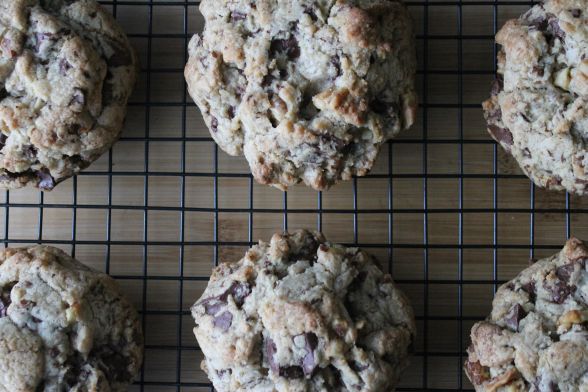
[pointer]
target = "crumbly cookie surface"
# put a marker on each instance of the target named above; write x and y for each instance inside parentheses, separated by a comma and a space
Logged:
(63, 326)
(536, 338)
(537, 110)
(307, 90)
(66, 72)
(302, 314)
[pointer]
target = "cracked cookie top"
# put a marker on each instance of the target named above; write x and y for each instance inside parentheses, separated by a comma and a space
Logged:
(302, 314)
(536, 338)
(537, 110)
(63, 326)
(306, 90)
(66, 72)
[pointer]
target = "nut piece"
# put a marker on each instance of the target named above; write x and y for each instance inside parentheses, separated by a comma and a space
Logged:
(562, 78)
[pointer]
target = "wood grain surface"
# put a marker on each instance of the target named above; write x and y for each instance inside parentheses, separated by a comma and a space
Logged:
(160, 233)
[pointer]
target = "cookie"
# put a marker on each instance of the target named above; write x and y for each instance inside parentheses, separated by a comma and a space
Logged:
(307, 90)
(63, 326)
(302, 314)
(536, 337)
(537, 110)
(66, 72)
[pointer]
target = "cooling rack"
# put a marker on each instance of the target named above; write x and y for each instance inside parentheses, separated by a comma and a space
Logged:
(444, 210)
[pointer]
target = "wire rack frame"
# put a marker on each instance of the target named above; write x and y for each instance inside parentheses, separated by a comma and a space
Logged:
(391, 212)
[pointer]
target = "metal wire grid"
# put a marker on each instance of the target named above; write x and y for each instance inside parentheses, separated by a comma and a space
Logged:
(422, 379)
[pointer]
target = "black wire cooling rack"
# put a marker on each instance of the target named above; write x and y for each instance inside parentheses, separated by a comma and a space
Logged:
(447, 212)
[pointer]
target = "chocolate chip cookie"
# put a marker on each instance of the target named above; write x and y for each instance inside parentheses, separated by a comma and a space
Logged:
(536, 337)
(302, 314)
(66, 72)
(537, 110)
(63, 326)
(307, 90)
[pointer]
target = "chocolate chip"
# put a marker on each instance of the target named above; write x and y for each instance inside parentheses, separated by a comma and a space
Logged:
(308, 362)
(223, 321)
(310, 12)
(497, 85)
(46, 182)
(501, 135)
(213, 124)
(559, 291)
(557, 31)
(530, 289)
(539, 24)
(564, 272)
(476, 372)
(231, 112)
(3, 139)
(270, 350)
(576, 12)
(64, 67)
(3, 93)
(236, 16)
(291, 372)
(288, 46)
(514, 316)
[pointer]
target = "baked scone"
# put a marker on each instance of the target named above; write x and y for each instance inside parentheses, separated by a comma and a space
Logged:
(536, 337)
(66, 72)
(302, 314)
(307, 90)
(538, 108)
(63, 326)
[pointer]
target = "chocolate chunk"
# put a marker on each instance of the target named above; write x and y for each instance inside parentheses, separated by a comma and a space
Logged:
(556, 29)
(501, 135)
(64, 67)
(223, 321)
(564, 272)
(539, 24)
(3, 139)
(236, 16)
(231, 112)
(270, 350)
(539, 71)
(213, 124)
(291, 372)
(46, 182)
(308, 10)
(267, 80)
(308, 362)
(497, 85)
(288, 46)
(530, 289)
(559, 291)
(476, 372)
(213, 308)
(576, 12)
(514, 316)
(3, 93)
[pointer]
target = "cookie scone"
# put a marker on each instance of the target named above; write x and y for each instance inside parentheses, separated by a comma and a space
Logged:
(303, 314)
(536, 337)
(66, 72)
(538, 105)
(307, 90)
(63, 326)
